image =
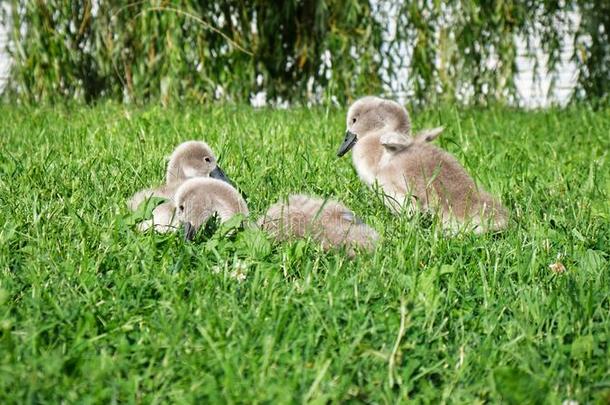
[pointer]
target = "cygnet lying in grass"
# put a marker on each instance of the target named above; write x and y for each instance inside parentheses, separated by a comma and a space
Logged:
(412, 173)
(326, 221)
(199, 199)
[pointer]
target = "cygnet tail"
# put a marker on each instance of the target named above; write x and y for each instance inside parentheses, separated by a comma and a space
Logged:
(165, 191)
(137, 199)
(490, 214)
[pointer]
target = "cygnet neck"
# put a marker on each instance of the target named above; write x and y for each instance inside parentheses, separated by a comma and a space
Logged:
(368, 150)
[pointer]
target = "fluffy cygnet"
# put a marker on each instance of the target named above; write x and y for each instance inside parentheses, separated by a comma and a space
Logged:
(200, 198)
(412, 173)
(190, 159)
(327, 221)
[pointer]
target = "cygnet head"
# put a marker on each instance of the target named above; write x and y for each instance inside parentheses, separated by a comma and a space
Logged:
(193, 159)
(346, 228)
(370, 115)
(200, 198)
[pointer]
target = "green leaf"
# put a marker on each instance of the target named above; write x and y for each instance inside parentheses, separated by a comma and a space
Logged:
(231, 225)
(447, 269)
(144, 210)
(254, 242)
(593, 260)
(518, 387)
(582, 347)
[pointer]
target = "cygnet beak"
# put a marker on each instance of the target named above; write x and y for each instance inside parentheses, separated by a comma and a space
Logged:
(189, 231)
(218, 174)
(348, 143)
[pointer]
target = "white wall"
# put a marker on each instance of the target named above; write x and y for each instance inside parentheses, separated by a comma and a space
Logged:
(4, 60)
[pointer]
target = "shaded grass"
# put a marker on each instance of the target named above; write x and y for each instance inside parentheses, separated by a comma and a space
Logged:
(92, 311)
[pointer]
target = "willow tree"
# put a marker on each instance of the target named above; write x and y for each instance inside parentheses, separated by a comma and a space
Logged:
(191, 49)
(294, 50)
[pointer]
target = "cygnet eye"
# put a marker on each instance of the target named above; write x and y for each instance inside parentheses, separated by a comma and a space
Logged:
(354, 120)
(181, 208)
(207, 159)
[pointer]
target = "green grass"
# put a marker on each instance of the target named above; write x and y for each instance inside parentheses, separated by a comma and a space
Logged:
(91, 311)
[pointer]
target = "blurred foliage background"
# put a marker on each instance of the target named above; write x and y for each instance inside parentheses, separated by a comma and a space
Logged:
(297, 51)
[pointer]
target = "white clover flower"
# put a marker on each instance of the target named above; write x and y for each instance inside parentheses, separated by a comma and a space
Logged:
(240, 271)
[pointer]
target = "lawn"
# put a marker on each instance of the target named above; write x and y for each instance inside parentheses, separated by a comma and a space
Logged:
(91, 311)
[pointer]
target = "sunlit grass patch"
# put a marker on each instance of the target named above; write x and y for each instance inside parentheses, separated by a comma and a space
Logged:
(92, 310)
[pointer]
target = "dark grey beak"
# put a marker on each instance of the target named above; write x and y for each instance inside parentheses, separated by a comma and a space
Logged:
(348, 143)
(189, 231)
(218, 174)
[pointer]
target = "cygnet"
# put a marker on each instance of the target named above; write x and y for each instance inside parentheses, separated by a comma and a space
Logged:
(200, 198)
(326, 221)
(413, 173)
